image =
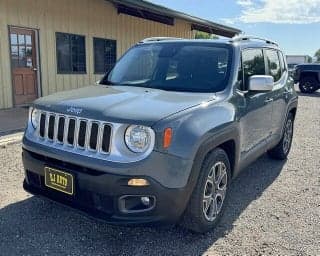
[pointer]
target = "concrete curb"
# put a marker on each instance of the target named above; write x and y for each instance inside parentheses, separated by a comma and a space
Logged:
(10, 139)
(11, 132)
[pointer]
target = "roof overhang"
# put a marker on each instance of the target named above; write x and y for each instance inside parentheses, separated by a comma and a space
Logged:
(157, 13)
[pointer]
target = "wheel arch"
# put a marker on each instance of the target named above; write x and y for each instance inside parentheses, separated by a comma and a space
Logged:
(309, 73)
(228, 140)
(292, 108)
(293, 111)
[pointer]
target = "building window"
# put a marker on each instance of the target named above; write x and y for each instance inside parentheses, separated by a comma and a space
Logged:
(105, 54)
(71, 54)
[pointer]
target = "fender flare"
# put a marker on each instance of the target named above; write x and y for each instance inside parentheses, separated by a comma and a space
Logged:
(209, 143)
(292, 105)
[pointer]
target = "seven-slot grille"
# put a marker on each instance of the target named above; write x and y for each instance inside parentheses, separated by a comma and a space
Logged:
(75, 132)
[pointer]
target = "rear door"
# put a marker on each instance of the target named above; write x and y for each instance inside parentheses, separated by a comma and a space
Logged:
(256, 126)
(276, 68)
(23, 54)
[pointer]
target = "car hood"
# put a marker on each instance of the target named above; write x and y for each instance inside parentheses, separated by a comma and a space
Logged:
(123, 104)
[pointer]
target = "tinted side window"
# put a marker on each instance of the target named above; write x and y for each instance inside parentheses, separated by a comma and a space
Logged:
(273, 64)
(282, 64)
(240, 76)
(252, 64)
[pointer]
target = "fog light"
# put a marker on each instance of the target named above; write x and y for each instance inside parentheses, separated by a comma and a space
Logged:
(136, 203)
(138, 182)
(145, 200)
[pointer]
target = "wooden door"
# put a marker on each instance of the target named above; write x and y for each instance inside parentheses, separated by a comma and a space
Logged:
(24, 65)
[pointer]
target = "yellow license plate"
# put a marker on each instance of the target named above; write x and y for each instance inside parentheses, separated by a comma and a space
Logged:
(58, 180)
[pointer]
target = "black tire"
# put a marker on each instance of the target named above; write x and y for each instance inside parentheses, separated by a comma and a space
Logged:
(282, 149)
(308, 84)
(195, 217)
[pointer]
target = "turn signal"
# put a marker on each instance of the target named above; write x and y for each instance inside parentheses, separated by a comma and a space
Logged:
(138, 182)
(167, 137)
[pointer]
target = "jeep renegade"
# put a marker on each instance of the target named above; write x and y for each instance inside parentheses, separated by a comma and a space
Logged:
(162, 135)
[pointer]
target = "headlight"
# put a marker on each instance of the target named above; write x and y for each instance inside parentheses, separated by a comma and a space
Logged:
(34, 117)
(138, 138)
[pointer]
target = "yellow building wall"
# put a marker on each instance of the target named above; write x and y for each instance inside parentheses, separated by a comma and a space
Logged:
(91, 18)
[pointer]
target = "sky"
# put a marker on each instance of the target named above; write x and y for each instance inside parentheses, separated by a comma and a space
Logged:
(294, 24)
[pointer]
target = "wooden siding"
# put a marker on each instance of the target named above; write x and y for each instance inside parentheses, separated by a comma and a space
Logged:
(91, 18)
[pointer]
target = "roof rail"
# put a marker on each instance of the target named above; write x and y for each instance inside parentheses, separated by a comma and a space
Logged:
(158, 39)
(246, 37)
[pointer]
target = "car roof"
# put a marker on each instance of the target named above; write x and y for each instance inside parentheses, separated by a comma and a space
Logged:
(242, 43)
(252, 44)
(182, 40)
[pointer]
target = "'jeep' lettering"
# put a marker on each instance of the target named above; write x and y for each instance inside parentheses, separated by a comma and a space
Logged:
(74, 110)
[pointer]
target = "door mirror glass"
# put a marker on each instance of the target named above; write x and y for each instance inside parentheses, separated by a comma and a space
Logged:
(261, 83)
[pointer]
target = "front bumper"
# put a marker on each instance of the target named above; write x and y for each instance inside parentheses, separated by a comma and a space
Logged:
(98, 193)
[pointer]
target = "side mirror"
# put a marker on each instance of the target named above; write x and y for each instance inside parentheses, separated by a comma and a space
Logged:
(261, 83)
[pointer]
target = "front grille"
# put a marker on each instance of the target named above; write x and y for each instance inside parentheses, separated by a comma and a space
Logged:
(85, 134)
(42, 125)
(94, 136)
(51, 127)
(61, 128)
(82, 133)
(71, 131)
(106, 139)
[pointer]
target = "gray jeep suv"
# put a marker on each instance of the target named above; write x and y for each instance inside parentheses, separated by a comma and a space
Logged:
(162, 135)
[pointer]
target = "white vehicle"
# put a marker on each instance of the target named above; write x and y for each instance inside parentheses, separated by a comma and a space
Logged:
(297, 59)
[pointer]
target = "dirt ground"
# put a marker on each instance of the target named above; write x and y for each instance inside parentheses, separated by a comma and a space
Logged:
(274, 209)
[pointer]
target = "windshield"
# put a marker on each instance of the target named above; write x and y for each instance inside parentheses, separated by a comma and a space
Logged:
(196, 67)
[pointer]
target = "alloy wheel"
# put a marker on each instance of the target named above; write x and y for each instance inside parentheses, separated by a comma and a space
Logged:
(287, 137)
(307, 86)
(214, 191)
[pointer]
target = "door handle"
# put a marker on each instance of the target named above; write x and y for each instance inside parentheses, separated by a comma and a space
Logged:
(34, 69)
(268, 100)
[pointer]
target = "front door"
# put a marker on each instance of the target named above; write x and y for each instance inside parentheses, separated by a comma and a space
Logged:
(23, 54)
(256, 120)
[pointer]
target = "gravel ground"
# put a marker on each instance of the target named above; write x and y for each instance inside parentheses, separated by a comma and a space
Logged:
(274, 209)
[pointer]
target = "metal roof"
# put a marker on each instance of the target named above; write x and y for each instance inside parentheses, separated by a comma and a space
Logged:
(142, 7)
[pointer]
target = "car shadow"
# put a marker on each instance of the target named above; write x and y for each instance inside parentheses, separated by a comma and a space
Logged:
(36, 226)
(312, 95)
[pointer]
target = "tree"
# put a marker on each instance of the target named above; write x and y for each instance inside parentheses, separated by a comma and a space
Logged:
(309, 59)
(204, 35)
(317, 55)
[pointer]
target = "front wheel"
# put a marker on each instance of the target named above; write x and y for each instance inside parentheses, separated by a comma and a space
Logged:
(282, 149)
(308, 84)
(207, 201)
